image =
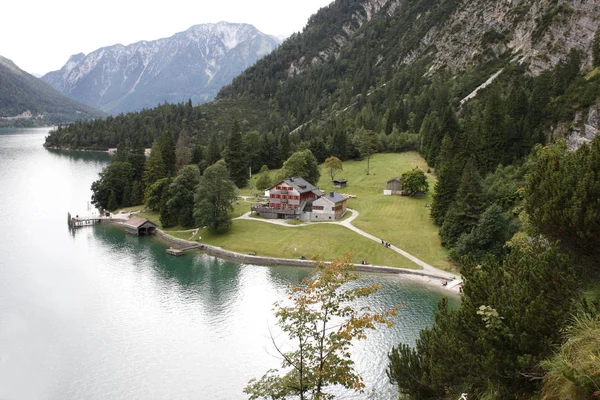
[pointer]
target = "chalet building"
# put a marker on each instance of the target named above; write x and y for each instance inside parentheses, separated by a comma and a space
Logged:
(139, 226)
(325, 208)
(394, 186)
(288, 198)
(294, 198)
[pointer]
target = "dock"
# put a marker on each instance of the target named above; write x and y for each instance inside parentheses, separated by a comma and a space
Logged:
(179, 252)
(77, 221)
(174, 252)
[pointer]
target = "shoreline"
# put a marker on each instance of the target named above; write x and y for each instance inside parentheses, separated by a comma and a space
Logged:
(419, 275)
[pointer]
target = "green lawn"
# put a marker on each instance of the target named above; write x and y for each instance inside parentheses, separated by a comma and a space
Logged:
(325, 240)
(402, 221)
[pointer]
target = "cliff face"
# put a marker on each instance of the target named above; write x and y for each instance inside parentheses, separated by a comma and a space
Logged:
(539, 32)
(193, 64)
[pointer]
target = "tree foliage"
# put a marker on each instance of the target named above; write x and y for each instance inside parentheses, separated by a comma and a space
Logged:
(113, 189)
(235, 157)
(302, 164)
(562, 196)
(321, 321)
(333, 165)
(264, 180)
(511, 316)
(367, 145)
(572, 373)
(414, 181)
(214, 197)
(179, 207)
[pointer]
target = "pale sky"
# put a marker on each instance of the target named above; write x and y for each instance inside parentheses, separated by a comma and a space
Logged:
(40, 35)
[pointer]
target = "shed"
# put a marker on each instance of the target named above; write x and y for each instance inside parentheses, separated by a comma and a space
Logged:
(394, 186)
(139, 226)
(339, 183)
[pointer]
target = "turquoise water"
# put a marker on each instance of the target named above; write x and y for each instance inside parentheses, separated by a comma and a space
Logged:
(98, 314)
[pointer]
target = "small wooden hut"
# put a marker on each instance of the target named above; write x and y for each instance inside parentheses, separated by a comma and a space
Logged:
(339, 183)
(139, 226)
(394, 186)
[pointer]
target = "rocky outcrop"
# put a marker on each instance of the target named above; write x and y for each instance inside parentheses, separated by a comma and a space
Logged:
(583, 130)
(540, 32)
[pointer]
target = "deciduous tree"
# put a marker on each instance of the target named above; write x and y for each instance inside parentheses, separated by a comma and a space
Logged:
(333, 165)
(110, 190)
(367, 145)
(214, 198)
(304, 165)
(414, 181)
(322, 321)
(264, 180)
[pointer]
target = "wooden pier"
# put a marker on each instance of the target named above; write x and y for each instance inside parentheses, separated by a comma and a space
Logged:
(78, 222)
(179, 252)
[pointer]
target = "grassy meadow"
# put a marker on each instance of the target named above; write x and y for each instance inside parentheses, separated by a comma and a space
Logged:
(324, 240)
(402, 221)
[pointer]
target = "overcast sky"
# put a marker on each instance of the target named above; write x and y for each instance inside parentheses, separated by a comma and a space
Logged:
(40, 35)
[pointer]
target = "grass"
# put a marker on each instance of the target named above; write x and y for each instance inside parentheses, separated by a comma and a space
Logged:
(402, 221)
(326, 240)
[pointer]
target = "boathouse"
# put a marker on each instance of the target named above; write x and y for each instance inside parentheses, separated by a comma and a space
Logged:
(139, 226)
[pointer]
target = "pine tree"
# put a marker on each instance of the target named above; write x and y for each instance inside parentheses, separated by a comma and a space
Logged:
(431, 137)
(464, 213)
(235, 157)
(339, 144)
(155, 166)
(495, 142)
(448, 179)
(213, 152)
(167, 150)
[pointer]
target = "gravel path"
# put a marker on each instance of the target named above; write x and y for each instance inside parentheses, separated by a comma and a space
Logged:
(348, 224)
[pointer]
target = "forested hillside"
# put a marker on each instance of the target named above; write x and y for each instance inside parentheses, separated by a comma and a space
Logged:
(517, 208)
(21, 92)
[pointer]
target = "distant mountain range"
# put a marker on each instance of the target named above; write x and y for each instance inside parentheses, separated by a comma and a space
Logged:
(194, 64)
(27, 101)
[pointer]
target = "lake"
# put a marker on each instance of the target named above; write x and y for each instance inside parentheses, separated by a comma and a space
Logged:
(98, 314)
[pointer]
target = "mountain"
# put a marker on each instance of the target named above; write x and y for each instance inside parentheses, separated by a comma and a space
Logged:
(27, 101)
(193, 64)
(385, 65)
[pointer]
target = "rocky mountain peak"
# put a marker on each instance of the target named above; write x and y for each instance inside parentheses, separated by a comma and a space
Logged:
(193, 64)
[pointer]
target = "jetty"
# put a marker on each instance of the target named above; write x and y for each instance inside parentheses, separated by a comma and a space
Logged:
(179, 252)
(77, 221)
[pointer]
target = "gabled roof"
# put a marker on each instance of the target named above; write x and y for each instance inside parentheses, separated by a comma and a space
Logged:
(340, 180)
(395, 180)
(334, 197)
(137, 222)
(300, 185)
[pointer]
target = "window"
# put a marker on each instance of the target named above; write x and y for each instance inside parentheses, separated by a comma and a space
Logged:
(318, 208)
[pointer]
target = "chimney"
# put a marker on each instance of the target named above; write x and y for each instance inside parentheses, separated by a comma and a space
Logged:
(330, 194)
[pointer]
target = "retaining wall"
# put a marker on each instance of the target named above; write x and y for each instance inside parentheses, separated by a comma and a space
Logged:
(258, 260)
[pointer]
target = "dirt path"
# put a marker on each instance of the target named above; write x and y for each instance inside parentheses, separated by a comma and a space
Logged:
(347, 223)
